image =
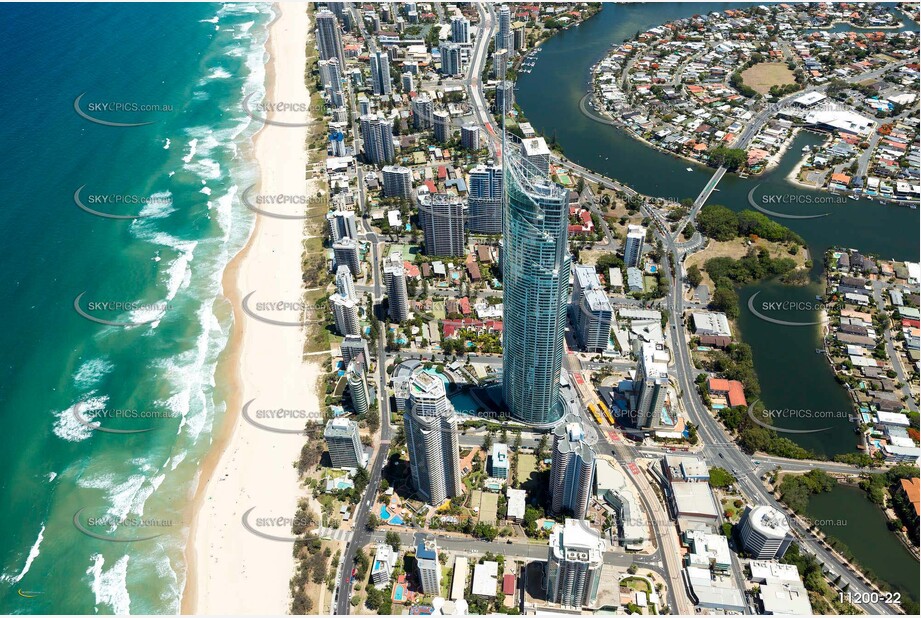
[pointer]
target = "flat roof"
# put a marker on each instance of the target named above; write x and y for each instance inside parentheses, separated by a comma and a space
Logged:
(694, 499)
(485, 579)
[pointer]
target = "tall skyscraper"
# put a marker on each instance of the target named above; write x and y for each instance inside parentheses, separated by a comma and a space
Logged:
(380, 73)
(572, 469)
(504, 34)
(470, 136)
(407, 82)
(765, 533)
(460, 29)
(442, 218)
(505, 97)
(358, 388)
(574, 563)
(500, 63)
(535, 267)
(330, 73)
(329, 39)
(484, 199)
(591, 310)
(536, 151)
(377, 136)
(397, 295)
(344, 444)
(398, 181)
(423, 112)
(355, 347)
(650, 386)
(337, 146)
(430, 426)
(428, 565)
(345, 315)
(345, 251)
(442, 125)
(345, 284)
(450, 58)
(342, 225)
(633, 246)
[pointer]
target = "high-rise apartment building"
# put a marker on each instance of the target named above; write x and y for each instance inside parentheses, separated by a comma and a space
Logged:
(398, 181)
(358, 388)
(442, 218)
(377, 136)
(505, 97)
(428, 566)
(537, 153)
(633, 246)
(430, 425)
(460, 29)
(574, 563)
(342, 225)
(572, 469)
(423, 112)
(504, 33)
(345, 284)
(442, 124)
(380, 73)
(355, 347)
(397, 294)
(500, 63)
(536, 269)
(345, 252)
(344, 444)
(450, 58)
(329, 39)
(650, 386)
(484, 199)
(590, 310)
(345, 315)
(470, 137)
(330, 73)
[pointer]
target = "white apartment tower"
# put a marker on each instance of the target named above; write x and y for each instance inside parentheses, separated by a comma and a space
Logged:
(574, 562)
(430, 426)
(633, 246)
(572, 470)
(397, 294)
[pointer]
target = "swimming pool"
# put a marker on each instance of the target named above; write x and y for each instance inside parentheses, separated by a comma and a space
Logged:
(385, 514)
(399, 592)
(396, 520)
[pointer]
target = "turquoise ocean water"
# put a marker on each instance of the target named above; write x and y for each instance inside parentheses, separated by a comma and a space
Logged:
(94, 521)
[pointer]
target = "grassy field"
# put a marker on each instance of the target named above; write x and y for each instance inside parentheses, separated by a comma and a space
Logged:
(766, 74)
(736, 249)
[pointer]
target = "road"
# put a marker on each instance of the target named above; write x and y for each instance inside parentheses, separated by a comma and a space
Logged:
(343, 590)
(895, 358)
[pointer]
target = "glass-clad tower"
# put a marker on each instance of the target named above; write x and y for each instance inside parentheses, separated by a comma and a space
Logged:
(535, 271)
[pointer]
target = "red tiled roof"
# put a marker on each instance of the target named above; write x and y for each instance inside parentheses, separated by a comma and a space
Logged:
(718, 385)
(508, 581)
(736, 394)
(912, 487)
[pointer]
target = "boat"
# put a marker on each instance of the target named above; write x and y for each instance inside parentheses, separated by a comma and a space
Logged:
(853, 197)
(818, 297)
(806, 148)
(690, 169)
(819, 351)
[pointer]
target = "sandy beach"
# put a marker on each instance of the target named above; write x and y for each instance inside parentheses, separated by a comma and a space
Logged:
(230, 569)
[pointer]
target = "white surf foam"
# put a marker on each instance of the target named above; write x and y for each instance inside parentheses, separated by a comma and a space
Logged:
(33, 554)
(67, 427)
(110, 587)
(91, 372)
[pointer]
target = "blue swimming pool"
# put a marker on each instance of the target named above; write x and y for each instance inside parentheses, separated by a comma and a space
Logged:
(396, 520)
(385, 514)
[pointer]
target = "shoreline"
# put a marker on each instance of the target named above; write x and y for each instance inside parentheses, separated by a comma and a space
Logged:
(230, 570)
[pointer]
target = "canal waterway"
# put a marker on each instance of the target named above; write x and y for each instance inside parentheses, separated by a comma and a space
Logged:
(846, 514)
(792, 375)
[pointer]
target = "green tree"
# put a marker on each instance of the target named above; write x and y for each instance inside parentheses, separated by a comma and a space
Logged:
(694, 276)
(718, 222)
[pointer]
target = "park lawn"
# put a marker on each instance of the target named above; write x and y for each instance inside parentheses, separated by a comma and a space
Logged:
(766, 74)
